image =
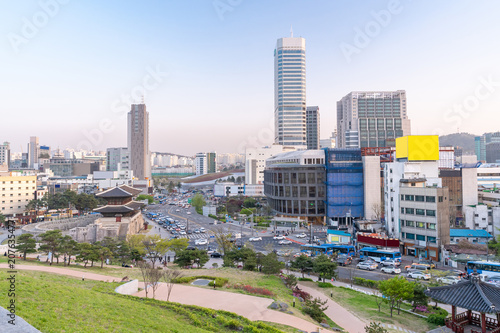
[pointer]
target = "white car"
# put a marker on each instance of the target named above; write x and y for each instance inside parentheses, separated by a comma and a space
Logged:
(279, 237)
(448, 280)
(182, 232)
(203, 230)
(418, 275)
(177, 210)
(201, 242)
(189, 213)
(285, 242)
(391, 269)
(390, 262)
(302, 235)
(255, 239)
(370, 266)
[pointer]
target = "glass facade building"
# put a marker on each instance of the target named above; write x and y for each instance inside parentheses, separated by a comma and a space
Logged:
(290, 92)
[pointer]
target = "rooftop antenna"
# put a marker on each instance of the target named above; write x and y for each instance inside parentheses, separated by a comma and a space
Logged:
(291, 31)
(142, 99)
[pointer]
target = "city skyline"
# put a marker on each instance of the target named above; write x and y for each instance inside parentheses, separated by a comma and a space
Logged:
(73, 81)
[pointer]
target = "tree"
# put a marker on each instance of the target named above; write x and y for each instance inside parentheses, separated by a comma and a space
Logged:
(171, 187)
(155, 275)
(136, 245)
(112, 244)
(245, 255)
(155, 248)
(86, 253)
(198, 201)
(223, 240)
(149, 198)
(325, 267)
(396, 290)
(190, 257)
(271, 264)
(25, 243)
(51, 241)
(102, 253)
(170, 277)
(249, 202)
(122, 251)
(314, 308)
(68, 247)
(375, 328)
(2, 220)
(303, 263)
(419, 296)
(378, 211)
(246, 211)
(144, 268)
(290, 281)
(34, 205)
(177, 245)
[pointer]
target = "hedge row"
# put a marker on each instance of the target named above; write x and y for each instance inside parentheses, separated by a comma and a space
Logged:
(219, 282)
(365, 282)
(325, 285)
(305, 279)
(188, 279)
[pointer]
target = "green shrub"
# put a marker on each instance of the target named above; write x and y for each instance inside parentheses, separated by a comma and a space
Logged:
(305, 279)
(325, 285)
(219, 282)
(438, 311)
(436, 319)
(365, 282)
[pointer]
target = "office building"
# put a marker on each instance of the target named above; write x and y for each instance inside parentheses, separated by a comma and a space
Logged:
(201, 165)
(5, 154)
(138, 142)
(330, 142)
(16, 191)
(480, 148)
(372, 119)
(211, 162)
(312, 126)
(290, 92)
(117, 159)
(33, 152)
(255, 162)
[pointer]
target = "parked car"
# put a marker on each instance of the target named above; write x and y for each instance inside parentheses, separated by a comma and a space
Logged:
(366, 265)
(391, 269)
(448, 279)
(302, 235)
(427, 262)
(390, 262)
(343, 260)
(215, 255)
(285, 242)
(254, 239)
(279, 237)
(417, 274)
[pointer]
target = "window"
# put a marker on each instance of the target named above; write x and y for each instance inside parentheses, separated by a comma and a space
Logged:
(431, 239)
(430, 212)
(402, 197)
(410, 236)
(419, 198)
(440, 198)
(302, 178)
(420, 211)
(430, 199)
(421, 237)
(402, 210)
(410, 223)
(410, 211)
(409, 197)
(431, 226)
(420, 225)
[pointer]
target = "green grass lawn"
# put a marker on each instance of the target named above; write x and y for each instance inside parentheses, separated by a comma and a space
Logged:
(54, 303)
(365, 307)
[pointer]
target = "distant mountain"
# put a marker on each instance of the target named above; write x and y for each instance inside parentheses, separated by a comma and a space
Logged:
(463, 140)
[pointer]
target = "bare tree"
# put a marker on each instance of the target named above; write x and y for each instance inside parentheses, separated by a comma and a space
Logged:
(155, 275)
(223, 239)
(144, 266)
(170, 276)
(378, 211)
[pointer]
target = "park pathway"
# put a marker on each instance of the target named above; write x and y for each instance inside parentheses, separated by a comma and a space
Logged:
(251, 307)
(338, 314)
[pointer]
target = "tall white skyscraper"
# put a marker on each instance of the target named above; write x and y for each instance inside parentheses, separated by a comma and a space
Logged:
(33, 152)
(290, 92)
(138, 142)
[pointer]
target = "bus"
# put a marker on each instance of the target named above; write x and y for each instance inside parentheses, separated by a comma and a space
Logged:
(379, 255)
(484, 268)
(328, 249)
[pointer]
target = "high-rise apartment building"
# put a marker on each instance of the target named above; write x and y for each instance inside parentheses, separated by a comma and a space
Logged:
(33, 152)
(312, 127)
(290, 92)
(211, 162)
(138, 142)
(5, 154)
(117, 159)
(200, 162)
(372, 119)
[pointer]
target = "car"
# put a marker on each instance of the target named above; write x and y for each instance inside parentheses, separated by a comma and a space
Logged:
(177, 210)
(302, 235)
(279, 237)
(366, 265)
(427, 262)
(343, 260)
(182, 232)
(216, 255)
(203, 230)
(197, 231)
(417, 274)
(448, 280)
(201, 242)
(391, 269)
(390, 262)
(285, 242)
(416, 266)
(189, 213)
(254, 239)
(189, 232)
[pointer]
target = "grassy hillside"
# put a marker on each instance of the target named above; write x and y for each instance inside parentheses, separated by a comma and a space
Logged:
(54, 303)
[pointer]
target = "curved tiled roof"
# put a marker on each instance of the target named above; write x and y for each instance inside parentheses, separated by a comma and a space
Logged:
(122, 191)
(472, 294)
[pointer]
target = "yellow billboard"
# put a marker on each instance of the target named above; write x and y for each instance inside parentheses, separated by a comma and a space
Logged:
(418, 147)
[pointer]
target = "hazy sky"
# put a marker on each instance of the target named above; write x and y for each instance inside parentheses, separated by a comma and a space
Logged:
(69, 68)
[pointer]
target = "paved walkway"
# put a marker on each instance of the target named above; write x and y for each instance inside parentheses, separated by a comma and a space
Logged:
(251, 307)
(338, 314)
